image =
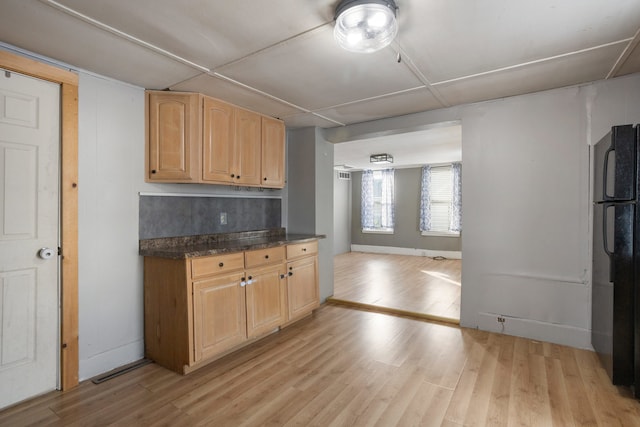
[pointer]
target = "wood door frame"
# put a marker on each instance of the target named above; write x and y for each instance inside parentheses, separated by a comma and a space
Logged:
(68, 81)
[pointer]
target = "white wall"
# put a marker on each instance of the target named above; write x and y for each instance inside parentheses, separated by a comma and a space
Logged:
(111, 176)
(111, 135)
(526, 211)
(341, 215)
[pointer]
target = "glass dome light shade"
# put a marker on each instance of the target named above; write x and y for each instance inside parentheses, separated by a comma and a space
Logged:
(365, 26)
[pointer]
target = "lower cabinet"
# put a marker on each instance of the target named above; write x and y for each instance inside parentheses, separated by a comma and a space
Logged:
(198, 309)
(302, 288)
(265, 294)
(219, 315)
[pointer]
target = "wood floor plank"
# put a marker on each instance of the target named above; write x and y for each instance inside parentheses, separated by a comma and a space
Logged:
(411, 283)
(346, 367)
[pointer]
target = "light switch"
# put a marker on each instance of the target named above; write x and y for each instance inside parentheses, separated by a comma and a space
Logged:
(223, 218)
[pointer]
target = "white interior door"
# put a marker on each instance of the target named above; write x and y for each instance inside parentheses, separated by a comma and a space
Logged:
(29, 210)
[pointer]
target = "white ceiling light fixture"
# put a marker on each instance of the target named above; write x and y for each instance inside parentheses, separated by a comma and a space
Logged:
(365, 26)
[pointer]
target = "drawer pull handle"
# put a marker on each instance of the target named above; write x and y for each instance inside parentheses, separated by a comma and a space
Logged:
(304, 249)
(221, 264)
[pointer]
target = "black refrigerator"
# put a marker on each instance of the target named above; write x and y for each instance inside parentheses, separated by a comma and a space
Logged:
(615, 315)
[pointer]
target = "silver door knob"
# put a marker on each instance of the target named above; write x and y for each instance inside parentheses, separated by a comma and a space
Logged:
(46, 253)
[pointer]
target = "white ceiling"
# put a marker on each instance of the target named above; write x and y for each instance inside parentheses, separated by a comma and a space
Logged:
(278, 57)
(437, 144)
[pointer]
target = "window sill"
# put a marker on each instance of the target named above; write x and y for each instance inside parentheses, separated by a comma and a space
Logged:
(439, 234)
(378, 231)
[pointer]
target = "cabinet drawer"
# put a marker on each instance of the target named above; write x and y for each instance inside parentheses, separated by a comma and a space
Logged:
(302, 249)
(264, 256)
(206, 266)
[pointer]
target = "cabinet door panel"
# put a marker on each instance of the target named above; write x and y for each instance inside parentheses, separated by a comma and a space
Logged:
(265, 300)
(173, 137)
(272, 153)
(302, 287)
(217, 139)
(219, 315)
(248, 147)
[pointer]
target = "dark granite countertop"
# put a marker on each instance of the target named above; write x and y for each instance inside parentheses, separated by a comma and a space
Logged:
(211, 244)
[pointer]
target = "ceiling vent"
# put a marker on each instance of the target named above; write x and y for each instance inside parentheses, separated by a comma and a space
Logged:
(344, 175)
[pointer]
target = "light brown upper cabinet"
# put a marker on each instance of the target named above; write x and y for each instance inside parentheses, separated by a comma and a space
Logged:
(272, 153)
(247, 148)
(217, 136)
(173, 137)
(196, 138)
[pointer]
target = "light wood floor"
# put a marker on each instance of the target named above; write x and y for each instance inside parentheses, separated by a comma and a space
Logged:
(404, 283)
(344, 367)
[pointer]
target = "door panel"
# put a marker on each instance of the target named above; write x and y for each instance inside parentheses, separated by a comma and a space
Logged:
(29, 221)
(615, 165)
(612, 289)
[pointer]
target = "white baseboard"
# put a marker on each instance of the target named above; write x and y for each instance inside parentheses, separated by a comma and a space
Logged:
(535, 330)
(406, 251)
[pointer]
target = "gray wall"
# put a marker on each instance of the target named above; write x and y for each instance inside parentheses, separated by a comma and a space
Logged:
(188, 216)
(526, 196)
(406, 232)
(309, 195)
(341, 215)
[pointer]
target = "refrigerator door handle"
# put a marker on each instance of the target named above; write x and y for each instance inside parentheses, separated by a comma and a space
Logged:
(605, 174)
(605, 240)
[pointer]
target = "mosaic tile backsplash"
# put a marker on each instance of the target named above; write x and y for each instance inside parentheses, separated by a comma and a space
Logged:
(188, 216)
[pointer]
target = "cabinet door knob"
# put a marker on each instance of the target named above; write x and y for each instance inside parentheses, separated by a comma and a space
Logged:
(290, 273)
(221, 264)
(266, 256)
(233, 175)
(238, 177)
(265, 178)
(304, 249)
(282, 276)
(153, 171)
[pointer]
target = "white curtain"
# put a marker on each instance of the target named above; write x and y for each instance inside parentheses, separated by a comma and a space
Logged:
(366, 211)
(455, 224)
(425, 199)
(387, 202)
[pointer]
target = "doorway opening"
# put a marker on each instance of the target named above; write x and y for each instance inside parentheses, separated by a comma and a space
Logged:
(410, 271)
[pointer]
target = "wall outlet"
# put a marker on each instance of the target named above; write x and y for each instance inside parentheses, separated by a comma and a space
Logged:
(501, 319)
(223, 218)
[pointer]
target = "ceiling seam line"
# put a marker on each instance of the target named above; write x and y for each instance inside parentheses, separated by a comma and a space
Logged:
(524, 64)
(372, 98)
(123, 35)
(328, 119)
(624, 55)
(406, 59)
(251, 88)
(264, 49)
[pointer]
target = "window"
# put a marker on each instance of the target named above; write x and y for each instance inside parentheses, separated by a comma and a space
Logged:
(377, 214)
(441, 202)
